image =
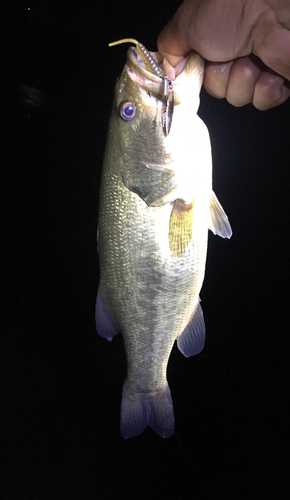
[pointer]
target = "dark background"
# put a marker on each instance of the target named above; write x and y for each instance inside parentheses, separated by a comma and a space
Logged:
(60, 383)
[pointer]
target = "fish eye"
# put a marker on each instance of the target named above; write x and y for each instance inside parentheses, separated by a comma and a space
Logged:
(127, 111)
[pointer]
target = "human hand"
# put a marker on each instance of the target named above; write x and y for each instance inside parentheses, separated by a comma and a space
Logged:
(246, 45)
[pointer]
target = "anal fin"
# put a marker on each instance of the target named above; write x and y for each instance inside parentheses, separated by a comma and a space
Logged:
(192, 339)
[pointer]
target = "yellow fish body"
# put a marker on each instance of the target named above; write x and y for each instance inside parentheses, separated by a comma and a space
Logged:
(156, 205)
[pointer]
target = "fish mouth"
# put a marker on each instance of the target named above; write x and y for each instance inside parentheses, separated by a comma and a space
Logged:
(148, 81)
(136, 60)
(165, 68)
(152, 83)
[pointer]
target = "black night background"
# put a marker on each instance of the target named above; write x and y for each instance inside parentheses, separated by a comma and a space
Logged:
(60, 382)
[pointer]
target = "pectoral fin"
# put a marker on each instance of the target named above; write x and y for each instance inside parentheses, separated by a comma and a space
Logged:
(219, 223)
(192, 339)
(180, 227)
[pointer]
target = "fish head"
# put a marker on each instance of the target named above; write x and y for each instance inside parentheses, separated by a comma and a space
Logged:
(150, 158)
(139, 104)
(136, 127)
(139, 93)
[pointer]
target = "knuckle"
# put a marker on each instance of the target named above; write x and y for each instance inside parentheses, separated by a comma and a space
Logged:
(269, 91)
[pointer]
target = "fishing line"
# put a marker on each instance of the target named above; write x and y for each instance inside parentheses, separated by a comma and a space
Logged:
(186, 454)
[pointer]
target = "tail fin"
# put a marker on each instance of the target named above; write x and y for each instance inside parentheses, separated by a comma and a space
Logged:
(138, 410)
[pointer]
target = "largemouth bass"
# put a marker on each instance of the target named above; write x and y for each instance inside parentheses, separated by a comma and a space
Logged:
(156, 206)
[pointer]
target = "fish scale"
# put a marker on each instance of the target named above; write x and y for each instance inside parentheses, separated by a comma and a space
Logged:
(152, 239)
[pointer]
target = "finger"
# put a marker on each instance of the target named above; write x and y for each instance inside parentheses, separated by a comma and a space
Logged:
(172, 42)
(244, 81)
(216, 78)
(270, 90)
(245, 72)
(274, 49)
(173, 60)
